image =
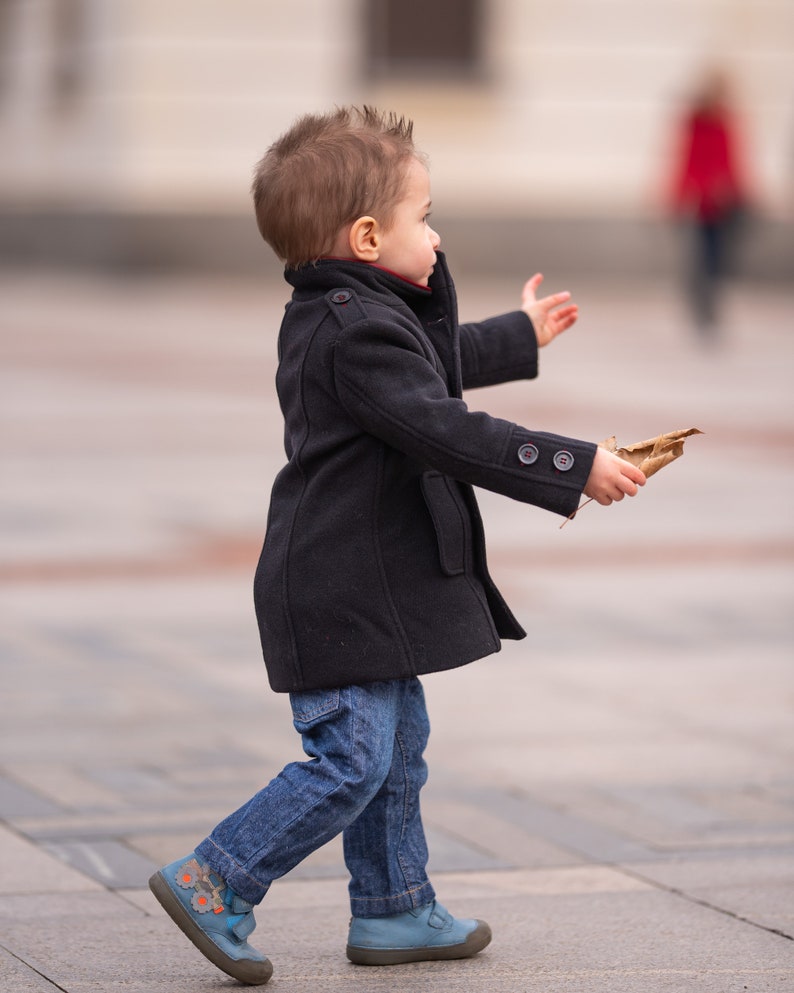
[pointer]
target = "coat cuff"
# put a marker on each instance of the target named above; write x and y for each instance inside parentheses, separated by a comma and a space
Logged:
(555, 468)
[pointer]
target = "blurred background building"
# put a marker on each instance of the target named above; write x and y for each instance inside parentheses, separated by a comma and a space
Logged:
(129, 128)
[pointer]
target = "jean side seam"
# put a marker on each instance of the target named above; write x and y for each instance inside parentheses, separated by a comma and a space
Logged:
(406, 805)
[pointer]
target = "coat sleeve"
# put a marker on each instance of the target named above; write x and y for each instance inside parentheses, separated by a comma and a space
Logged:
(498, 350)
(388, 383)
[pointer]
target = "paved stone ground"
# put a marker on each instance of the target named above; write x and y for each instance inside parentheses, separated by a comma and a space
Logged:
(615, 794)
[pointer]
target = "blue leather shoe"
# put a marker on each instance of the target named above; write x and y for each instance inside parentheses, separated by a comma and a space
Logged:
(420, 935)
(213, 917)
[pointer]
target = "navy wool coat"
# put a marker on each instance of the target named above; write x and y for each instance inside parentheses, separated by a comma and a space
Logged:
(373, 565)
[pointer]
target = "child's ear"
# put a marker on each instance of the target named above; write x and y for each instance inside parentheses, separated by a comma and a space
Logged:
(364, 239)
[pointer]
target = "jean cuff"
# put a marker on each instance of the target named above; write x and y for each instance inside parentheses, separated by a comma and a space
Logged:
(388, 906)
(235, 876)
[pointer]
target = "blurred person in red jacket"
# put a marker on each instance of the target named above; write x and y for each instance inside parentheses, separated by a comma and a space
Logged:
(709, 191)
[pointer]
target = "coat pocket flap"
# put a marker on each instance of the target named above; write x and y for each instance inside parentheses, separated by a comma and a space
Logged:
(450, 520)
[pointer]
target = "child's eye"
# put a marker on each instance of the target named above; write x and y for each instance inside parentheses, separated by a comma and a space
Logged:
(427, 217)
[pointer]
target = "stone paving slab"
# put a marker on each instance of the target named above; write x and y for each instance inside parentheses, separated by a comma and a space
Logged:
(17, 801)
(26, 867)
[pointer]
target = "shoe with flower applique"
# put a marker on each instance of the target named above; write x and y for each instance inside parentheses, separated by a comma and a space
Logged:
(213, 917)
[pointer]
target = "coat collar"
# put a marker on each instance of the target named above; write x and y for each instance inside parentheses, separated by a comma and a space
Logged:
(428, 303)
(434, 306)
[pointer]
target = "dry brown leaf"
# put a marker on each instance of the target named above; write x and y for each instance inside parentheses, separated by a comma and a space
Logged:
(649, 456)
(652, 455)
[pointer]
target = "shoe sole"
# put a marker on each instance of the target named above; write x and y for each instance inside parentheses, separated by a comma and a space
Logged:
(476, 941)
(244, 970)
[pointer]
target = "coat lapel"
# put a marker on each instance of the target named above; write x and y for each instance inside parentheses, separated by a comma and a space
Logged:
(438, 314)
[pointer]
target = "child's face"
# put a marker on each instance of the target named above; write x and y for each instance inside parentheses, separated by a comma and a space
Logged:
(409, 246)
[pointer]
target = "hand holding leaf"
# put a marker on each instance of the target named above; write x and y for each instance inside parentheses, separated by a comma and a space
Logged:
(648, 456)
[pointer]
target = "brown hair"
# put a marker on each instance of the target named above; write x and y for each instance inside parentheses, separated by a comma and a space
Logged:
(327, 171)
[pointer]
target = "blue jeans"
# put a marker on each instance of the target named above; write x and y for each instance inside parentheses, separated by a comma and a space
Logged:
(365, 770)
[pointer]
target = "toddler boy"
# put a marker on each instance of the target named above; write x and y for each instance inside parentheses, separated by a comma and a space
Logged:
(373, 570)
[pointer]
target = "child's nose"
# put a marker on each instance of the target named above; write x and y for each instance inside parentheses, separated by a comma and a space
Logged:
(435, 239)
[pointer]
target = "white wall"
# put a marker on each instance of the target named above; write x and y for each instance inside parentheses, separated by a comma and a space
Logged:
(181, 98)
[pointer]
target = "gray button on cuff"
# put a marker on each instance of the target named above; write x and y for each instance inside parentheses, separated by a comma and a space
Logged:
(528, 454)
(563, 460)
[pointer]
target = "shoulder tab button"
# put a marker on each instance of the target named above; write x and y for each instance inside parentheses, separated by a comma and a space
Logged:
(341, 296)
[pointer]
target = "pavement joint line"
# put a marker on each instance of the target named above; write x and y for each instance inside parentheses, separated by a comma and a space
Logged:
(708, 905)
(33, 966)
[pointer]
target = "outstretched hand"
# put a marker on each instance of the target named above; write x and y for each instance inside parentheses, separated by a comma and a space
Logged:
(548, 315)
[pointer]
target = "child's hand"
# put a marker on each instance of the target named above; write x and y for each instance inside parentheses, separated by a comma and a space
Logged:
(549, 318)
(612, 478)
